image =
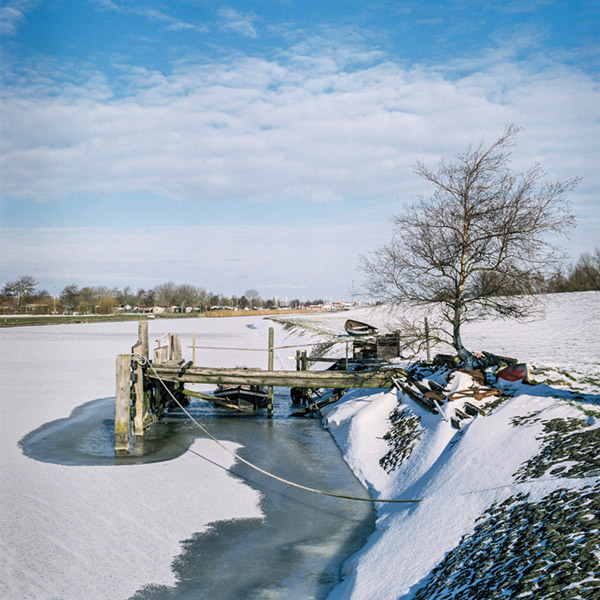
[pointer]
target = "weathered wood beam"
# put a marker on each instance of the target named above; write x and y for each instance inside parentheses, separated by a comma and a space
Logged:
(302, 379)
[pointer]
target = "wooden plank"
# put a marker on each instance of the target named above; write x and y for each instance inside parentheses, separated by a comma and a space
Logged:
(303, 379)
(122, 401)
(473, 410)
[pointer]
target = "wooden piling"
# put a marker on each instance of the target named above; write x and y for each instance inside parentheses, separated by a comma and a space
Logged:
(174, 347)
(303, 361)
(138, 389)
(270, 367)
(122, 402)
(143, 338)
(144, 342)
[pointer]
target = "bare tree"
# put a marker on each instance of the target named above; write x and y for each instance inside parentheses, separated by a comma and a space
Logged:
(474, 246)
(20, 289)
(70, 297)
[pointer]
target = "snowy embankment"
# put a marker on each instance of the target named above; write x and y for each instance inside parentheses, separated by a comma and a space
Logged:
(509, 503)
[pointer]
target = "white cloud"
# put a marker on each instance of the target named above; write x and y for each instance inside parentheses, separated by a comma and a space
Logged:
(152, 14)
(301, 127)
(237, 22)
(13, 13)
(309, 126)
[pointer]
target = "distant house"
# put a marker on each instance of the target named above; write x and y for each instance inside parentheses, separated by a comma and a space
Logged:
(159, 310)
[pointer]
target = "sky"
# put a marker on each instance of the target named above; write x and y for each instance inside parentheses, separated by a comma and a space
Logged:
(266, 144)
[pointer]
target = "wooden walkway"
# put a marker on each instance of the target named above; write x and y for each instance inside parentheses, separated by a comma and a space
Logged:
(301, 379)
(145, 387)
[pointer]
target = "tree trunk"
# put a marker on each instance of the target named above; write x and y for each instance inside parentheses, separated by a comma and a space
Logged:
(463, 354)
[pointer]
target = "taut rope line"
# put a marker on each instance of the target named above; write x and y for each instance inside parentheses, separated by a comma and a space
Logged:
(143, 360)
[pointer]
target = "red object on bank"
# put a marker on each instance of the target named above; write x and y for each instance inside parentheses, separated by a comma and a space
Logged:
(514, 373)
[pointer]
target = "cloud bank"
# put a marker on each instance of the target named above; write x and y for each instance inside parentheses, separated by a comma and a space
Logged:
(318, 122)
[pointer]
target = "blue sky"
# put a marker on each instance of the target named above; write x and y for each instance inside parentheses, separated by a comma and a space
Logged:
(266, 144)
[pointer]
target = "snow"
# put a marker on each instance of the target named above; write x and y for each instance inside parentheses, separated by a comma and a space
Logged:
(102, 532)
(90, 532)
(458, 474)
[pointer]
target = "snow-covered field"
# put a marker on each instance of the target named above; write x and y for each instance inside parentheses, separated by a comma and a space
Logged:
(102, 532)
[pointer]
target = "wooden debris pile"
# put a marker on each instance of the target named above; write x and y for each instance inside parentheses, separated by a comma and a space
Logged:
(462, 405)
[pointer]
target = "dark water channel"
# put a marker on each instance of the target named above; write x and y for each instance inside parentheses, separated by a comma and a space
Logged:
(296, 551)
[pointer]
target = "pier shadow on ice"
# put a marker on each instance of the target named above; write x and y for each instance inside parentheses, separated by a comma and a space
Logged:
(86, 438)
(296, 551)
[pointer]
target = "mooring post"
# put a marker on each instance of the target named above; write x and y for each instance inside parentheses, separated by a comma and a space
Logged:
(270, 366)
(174, 347)
(138, 389)
(122, 402)
(298, 360)
(303, 361)
(427, 339)
(144, 350)
(143, 338)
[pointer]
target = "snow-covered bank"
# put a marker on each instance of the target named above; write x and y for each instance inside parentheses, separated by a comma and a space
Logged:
(488, 491)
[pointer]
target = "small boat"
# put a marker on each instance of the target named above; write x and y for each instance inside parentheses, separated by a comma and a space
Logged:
(357, 328)
(515, 372)
(240, 395)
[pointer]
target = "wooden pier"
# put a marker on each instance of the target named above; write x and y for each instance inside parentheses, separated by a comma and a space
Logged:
(146, 385)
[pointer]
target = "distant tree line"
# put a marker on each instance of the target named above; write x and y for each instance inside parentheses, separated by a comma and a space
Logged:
(583, 276)
(22, 296)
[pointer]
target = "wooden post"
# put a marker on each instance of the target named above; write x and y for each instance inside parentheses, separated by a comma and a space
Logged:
(138, 388)
(144, 349)
(298, 360)
(270, 367)
(122, 401)
(174, 347)
(303, 361)
(161, 355)
(427, 339)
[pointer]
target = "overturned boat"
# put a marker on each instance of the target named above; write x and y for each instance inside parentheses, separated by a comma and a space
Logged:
(358, 328)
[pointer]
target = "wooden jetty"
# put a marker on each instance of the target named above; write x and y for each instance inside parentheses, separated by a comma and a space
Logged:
(145, 385)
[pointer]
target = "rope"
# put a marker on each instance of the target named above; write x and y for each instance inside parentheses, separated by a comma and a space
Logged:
(144, 361)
